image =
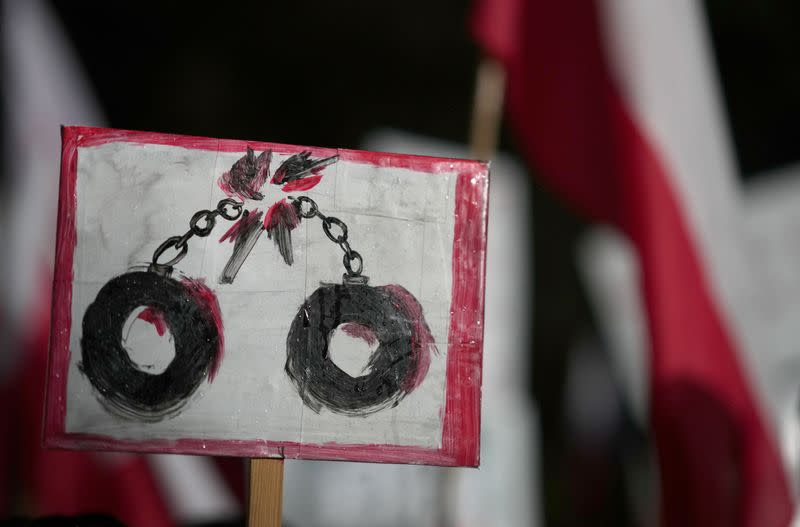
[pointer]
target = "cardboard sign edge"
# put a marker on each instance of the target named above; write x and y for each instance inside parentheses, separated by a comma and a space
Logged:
(460, 444)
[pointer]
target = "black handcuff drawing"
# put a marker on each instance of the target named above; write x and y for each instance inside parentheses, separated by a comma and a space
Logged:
(389, 317)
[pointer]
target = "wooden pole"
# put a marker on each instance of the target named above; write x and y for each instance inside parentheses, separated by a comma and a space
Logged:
(487, 109)
(266, 492)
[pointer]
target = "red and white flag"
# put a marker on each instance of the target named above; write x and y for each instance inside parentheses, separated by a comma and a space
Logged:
(616, 103)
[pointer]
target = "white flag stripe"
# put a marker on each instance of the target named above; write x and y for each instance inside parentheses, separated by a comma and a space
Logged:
(194, 490)
(610, 270)
(44, 88)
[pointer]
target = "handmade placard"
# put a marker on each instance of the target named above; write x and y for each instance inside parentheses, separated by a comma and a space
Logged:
(254, 299)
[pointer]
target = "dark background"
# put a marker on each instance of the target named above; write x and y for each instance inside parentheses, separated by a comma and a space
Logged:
(325, 73)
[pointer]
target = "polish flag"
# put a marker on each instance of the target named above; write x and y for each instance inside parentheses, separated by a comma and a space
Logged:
(615, 102)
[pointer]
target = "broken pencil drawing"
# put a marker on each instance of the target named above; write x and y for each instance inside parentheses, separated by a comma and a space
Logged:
(246, 179)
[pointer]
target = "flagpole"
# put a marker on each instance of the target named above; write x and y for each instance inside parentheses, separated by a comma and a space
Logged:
(487, 109)
(265, 502)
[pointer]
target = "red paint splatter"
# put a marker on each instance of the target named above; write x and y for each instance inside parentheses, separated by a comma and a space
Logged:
(204, 296)
(359, 331)
(242, 225)
(155, 317)
(422, 342)
(281, 212)
(305, 183)
(224, 183)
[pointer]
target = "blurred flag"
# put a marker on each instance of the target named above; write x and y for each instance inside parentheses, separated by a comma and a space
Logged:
(43, 88)
(771, 220)
(615, 102)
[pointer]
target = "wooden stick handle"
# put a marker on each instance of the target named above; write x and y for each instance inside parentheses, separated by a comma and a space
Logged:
(266, 492)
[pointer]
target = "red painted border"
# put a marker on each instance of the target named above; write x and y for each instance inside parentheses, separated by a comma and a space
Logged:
(461, 428)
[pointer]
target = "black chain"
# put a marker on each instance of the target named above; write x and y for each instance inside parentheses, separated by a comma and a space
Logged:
(180, 243)
(209, 217)
(350, 255)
